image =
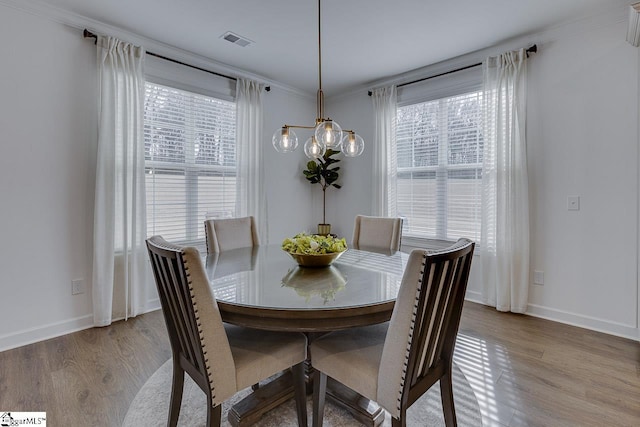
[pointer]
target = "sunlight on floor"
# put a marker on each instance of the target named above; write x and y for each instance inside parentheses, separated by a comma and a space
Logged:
(484, 365)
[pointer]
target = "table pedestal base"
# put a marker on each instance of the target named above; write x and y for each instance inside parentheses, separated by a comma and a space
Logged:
(364, 410)
(250, 409)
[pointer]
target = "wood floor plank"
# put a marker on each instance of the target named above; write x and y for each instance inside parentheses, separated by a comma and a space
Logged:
(583, 378)
(24, 383)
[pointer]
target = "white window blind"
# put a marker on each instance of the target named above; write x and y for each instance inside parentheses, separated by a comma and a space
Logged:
(190, 161)
(439, 154)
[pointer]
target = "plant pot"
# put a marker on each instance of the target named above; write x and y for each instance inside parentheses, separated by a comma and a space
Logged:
(324, 229)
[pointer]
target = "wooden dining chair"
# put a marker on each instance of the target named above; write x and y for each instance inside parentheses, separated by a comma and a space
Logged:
(394, 363)
(222, 359)
(377, 232)
(230, 233)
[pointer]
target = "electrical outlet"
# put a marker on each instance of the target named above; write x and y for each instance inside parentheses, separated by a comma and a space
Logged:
(573, 203)
(77, 286)
(538, 277)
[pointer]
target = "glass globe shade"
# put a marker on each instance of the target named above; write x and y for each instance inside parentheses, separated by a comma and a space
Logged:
(352, 144)
(329, 133)
(314, 149)
(285, 140)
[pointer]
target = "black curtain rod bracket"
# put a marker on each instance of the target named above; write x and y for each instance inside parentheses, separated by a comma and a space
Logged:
(88, 34)
(532, 49)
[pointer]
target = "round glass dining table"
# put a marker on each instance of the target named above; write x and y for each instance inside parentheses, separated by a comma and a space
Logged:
(263, 287)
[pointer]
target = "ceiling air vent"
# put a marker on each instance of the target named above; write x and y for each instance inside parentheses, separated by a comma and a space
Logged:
(236, 39)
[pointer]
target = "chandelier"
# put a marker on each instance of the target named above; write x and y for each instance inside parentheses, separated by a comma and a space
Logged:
(327, 133)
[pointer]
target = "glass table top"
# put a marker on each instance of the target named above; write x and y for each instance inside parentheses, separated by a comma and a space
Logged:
(267, 277)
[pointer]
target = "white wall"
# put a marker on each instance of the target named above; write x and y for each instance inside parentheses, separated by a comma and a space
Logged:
(582, 129)
(48, 118)
(354, 112)
(583, 140)
(289, 196)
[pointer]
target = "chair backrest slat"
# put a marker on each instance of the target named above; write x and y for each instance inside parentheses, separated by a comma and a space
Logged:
(434, 339)
(425, 321)
(197, 335)
(177, 307)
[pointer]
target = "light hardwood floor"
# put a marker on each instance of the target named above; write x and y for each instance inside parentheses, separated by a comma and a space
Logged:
(524, 371)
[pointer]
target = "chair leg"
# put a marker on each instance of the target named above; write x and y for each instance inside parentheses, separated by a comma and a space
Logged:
(319, 393)
(176, 394)
(214, 415)
(300, 392)
(401, 421)
(446, 394)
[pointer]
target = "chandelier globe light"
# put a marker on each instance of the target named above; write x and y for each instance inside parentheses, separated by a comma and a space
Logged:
(327, 134)
(285, 140)
(330, 133)
(352, 145)
(314, 149)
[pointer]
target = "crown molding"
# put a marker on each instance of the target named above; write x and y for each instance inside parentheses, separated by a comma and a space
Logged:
(73, 20)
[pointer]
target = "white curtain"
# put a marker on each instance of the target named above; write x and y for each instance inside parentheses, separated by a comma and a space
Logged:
(119, 252)
(250, 193)
(384, 152)
(505, 199)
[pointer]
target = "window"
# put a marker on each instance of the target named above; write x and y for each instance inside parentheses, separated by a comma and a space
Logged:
(439, 155)
(190, 161)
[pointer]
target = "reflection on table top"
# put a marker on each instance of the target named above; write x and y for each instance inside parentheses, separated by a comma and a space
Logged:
(266, 277)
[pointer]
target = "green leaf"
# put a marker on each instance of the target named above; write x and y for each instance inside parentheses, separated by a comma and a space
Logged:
(320, 171)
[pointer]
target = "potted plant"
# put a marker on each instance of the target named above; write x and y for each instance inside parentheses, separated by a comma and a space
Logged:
(324, 172)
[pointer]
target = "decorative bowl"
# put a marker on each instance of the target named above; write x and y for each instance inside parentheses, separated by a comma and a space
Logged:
(315, 260)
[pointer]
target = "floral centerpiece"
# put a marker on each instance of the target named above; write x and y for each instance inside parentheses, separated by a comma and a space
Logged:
(313, 250)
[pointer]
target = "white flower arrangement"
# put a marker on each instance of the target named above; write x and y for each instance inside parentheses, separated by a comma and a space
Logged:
(313, 244)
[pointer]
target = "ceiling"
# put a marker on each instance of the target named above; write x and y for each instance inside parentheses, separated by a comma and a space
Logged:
(362, 40)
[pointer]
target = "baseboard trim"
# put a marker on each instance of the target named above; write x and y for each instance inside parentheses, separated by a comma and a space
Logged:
(473, 296)
(153, 304)
(573, 319)
(53, 330)
(587, 322)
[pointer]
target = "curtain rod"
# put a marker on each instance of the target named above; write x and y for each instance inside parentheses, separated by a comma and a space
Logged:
(532, 49)
(88, 34)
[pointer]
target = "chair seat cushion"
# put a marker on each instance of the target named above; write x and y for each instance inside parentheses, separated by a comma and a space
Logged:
(259, 354)
(351, 357)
